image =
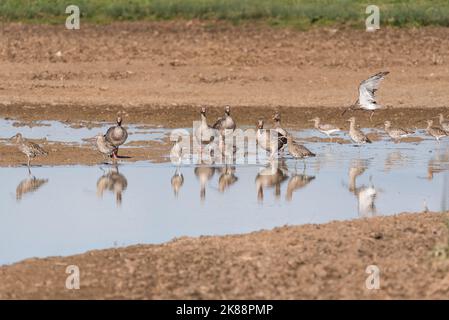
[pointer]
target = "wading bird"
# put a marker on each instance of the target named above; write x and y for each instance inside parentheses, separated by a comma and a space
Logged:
(298, 151)
(435, 132)
(278, 127)
(443, 123)
(367, 89)
(327, 129)
(105, 147)
(116, 135)
(270, 140)
(225, 124)
(28, 148)
(396, 133)
(356, 134)
(204, 134)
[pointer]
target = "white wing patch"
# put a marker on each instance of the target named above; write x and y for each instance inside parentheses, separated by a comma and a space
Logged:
(367, 90)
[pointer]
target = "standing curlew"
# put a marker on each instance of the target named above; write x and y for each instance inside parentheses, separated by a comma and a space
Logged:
(396, 133)
(298, 151)
(435, 132)
(367, 89)
(356, 134)
(327, 129)
(116, 135)
(443, 123)
(28, 148)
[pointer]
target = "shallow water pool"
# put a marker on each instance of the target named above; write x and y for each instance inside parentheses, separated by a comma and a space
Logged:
(68, 210)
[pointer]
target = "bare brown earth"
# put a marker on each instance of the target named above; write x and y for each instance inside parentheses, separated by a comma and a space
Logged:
(214, 63)
(159, 73)
(311, 261)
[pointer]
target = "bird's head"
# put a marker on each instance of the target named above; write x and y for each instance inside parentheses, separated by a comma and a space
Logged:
(228, 110)
(387, 124)
(316, 119)
(119, 120)
(16, 138)
(277, 116)
(260, 124)
(203, 111)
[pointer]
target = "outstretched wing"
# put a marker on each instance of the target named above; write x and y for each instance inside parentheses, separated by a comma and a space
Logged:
(368, 88)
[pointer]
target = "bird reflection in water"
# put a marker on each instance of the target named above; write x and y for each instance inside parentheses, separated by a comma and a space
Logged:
(440, 164)
(114, 182)
(357, 168)
(29, 185)
(296, 182)
(177, 181)
(395, 159)
(204, 172)
(227, 178)
(437, 164)
(366, 195)
(271, 176)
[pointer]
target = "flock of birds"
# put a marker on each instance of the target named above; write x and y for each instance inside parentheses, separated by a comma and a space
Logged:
(273, 141)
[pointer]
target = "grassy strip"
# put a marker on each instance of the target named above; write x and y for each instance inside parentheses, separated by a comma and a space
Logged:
(296, 12)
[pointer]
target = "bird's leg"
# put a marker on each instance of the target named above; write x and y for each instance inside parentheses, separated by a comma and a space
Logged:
(115, 154)
(29, 163)
(304, 162)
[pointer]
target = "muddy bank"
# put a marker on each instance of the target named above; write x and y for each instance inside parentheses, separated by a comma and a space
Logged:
(182, 116)
(325, 261)
(66, 154)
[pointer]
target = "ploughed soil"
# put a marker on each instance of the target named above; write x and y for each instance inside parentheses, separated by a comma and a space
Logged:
(160, 73)
(327, 261)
